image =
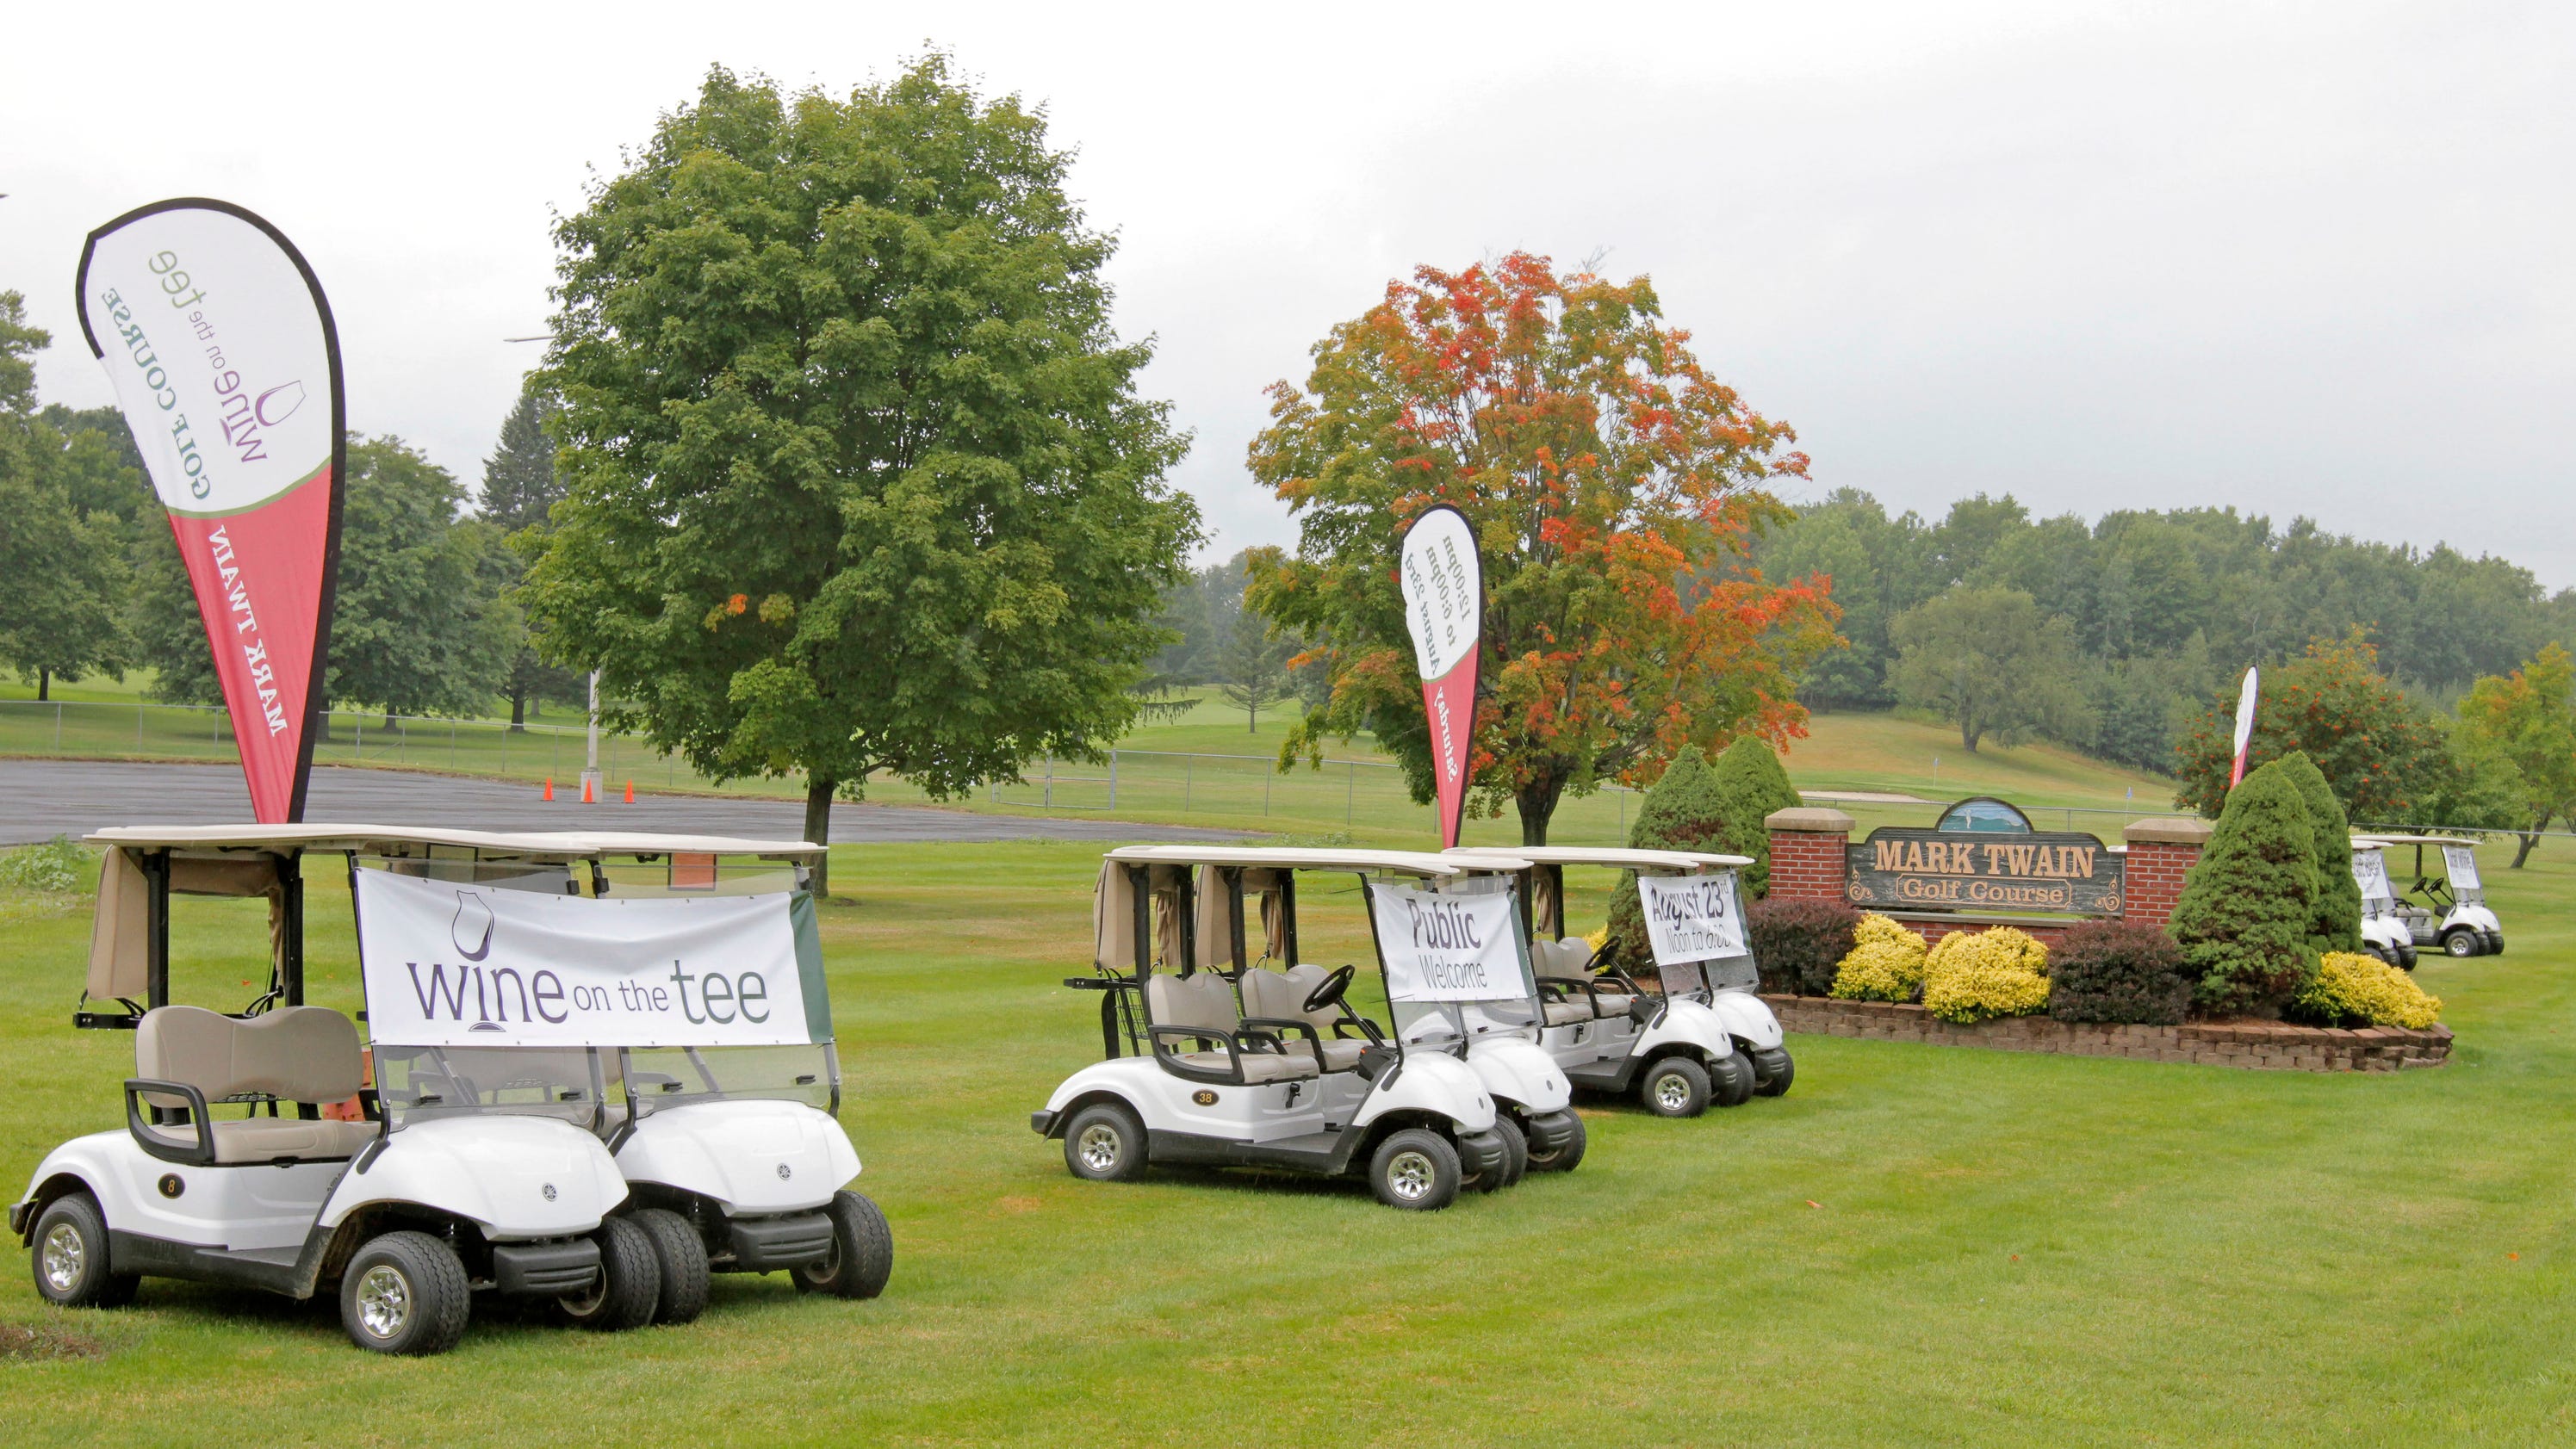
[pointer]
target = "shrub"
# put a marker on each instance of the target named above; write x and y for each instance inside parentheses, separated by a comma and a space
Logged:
(1798, 945)
(56, 866)
(1885, 964)
(2246, 907)
(2337, 924)
(1973, 975)
(2118, 971)
(1750, 785)
(1681, 812)
(2352, 989)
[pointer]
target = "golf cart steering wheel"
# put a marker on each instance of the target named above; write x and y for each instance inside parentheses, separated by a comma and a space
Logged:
(1328, 992)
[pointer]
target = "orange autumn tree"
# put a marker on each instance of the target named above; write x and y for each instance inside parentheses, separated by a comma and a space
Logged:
(1612, 486)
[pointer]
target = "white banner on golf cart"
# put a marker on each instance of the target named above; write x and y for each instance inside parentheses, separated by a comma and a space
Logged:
(1449, 948)
(453, 963)
(1691, 917)
(2370, 872)
(2463, 864)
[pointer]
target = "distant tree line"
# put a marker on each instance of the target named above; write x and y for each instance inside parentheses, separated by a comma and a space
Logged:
(2113, 636)
(1248, 658)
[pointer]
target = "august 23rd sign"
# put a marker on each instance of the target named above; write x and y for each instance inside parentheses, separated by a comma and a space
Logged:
(1916, 869)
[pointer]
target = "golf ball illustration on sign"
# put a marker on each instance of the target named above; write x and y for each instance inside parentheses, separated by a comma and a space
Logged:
(1444, 594)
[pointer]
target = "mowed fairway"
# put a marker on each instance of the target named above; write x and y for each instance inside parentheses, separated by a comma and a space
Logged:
(1917, 1245)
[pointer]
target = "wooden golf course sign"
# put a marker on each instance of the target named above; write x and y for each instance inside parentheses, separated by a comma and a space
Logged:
(1984, 856)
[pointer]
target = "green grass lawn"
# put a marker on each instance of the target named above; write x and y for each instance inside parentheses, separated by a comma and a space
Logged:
(1918, 1245)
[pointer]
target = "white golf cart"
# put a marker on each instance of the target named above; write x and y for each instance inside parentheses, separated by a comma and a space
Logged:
(1288, 1075)
(406, 1199)
(1693, 1034)
(2452, 913)
(722, 1085)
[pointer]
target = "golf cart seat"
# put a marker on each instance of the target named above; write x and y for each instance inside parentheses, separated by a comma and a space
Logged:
(302, 1054)
(1202, 1005)
(1566, 964)
(1282, 994)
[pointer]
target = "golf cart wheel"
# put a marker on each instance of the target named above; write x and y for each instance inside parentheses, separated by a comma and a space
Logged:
(1105, 1143)
(70, 1257)
(629, 1286)
(1733, 1081)
(1562, 1159)
(405, 1293)
(1515, 1149)
(2461, 941)
(1675, 1087)
(1773, 1071)
(1416, 1170)
(680, 1257)
(861, 1256)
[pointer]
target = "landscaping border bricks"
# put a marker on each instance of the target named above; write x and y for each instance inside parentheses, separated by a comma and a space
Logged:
(2264, 1045)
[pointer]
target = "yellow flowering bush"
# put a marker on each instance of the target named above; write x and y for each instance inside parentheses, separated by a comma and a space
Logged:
(1971, 976)
(1885, 964)
(1597, 940)
(2352, 989)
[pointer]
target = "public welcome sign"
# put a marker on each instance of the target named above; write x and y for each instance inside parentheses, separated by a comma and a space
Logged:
(1444, 607)
(449, 963)
(1448, 948)
(227, 368)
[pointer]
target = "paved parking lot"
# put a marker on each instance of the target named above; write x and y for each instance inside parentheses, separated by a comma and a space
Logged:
(40, 799)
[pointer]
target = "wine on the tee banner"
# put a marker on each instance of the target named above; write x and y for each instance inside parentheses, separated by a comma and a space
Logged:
(1444, 607)
(227, 368)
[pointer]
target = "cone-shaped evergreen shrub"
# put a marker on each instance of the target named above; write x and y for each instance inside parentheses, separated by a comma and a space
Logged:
(1799, 945)
(2247, 905)
(1750, 785)
(2337, 926)
(1682, 812)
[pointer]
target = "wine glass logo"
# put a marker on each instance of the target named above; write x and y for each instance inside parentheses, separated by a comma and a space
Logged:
(278, 404)
(472, 929)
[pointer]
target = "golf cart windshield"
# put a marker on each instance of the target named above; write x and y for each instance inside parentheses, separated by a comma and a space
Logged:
(1695, 924)
(2370, 872)
(1454, 963)
(420, 1083)
(2463, 864)
(659, 1077)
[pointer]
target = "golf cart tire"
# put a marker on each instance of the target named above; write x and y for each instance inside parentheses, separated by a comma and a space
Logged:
(1515, 1149)
(1415, 1169)
(1773, 1070)
(1105, 1143)
(1674, 1087)
(1564, 1158)
(630, 1282)
(416, 1280)
(862, 1255)
(1732, 1082)
(2460, 941)
(680, 1256)
(73, 1234)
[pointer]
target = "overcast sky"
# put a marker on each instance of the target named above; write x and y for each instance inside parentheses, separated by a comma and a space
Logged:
(2295, 258)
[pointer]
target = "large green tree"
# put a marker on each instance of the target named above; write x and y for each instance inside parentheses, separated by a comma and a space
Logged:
(520, 487)
(1990, 662)
(62, 573)
(419, 626)
(2378, 749)
(2529, 719)
(858, 477)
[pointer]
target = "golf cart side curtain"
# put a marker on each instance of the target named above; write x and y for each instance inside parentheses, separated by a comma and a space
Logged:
(120, 942)
(1224, 942)
(1120, 919)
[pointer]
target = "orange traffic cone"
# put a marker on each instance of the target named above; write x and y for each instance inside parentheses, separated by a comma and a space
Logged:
(550, 787)
(630, 792)
(585, 791)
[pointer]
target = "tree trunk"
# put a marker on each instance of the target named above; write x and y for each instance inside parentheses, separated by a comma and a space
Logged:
(518, 710)
(44, 681)
(1969, 733)
(1537, 802)
(818, 827)
(2522, 852)
(1251, 717)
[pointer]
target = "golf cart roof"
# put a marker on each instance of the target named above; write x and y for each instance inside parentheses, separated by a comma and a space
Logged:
(2365, 842)
(1677, 860)
(405, 840)
(1392, 862)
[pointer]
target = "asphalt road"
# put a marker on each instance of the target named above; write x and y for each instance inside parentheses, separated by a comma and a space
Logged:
(40, 799)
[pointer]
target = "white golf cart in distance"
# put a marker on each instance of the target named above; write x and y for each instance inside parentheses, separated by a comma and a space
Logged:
(2452, 913)
(1696, 1034)
(405, 1210)
(1287, 1075)
(690, 982)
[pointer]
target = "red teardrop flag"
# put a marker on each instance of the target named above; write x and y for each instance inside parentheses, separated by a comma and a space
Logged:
(227, 368)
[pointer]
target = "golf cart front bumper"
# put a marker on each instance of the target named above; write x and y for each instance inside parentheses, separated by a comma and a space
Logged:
(763, 1244)
(1042, 1123)
(19, 1212)
(544, 1270)
(1550, 1132)
(1481, 1152)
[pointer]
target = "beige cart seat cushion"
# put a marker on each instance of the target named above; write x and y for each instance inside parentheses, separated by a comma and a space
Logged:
(1281, 995)
(295, 1053)
(266, 1139)
(1199, 999)
(1257, 1066)
(1568, 1013)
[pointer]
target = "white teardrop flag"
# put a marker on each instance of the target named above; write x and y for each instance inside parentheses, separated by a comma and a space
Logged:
(2246, 699)
(1444, 607)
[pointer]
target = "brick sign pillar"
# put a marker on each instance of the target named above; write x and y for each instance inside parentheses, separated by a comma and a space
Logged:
(2161, 852)
(1807, 853)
